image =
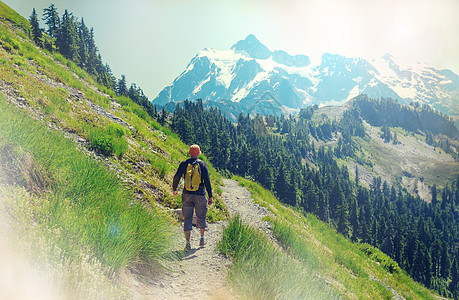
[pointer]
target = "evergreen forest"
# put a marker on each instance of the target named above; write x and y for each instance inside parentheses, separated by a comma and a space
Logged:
(277, 152)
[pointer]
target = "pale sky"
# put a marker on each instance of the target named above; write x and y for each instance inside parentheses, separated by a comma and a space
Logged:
(152, 41)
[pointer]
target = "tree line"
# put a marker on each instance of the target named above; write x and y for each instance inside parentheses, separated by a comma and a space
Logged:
(70, 37)
(415, 118)
(278, 153)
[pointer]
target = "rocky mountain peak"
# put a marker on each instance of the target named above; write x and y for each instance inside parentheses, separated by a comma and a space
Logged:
(252, 47)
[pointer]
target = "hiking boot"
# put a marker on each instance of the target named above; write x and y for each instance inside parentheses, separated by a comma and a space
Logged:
(187, 246)
(202, 242)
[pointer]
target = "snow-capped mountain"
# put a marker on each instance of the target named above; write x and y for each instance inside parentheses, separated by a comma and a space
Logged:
(250, 78)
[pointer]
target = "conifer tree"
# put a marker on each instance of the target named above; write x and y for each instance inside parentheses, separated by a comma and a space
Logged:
(356, 175)
(83, 39)
(92, 53)
(354, 218)
(51, 18)
(67, 38)
(36, 31)
(444, 262)
(434, 195)
(109, 80)
(454, 284)
(121, 88)
(343, 224)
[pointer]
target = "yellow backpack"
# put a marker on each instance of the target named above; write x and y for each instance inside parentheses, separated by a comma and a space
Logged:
(193, 176)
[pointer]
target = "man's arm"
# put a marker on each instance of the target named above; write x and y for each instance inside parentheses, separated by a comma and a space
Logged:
(206, 179)
(177, 177)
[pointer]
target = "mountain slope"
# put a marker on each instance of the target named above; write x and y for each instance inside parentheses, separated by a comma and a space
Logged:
(241, 77)
(396, 143)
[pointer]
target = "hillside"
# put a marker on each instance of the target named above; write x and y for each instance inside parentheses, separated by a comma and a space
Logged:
(396, 145)
(85, 194)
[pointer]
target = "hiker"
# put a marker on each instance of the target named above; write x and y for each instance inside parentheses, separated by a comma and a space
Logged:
(196, 176)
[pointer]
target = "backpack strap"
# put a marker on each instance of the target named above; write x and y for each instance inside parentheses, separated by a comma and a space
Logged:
(199, 169)
(192, 172)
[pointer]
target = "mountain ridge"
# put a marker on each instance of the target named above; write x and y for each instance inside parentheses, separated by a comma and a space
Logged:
(249, 69)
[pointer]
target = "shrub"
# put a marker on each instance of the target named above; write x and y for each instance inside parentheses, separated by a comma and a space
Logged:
(376, 254)
(108, 140)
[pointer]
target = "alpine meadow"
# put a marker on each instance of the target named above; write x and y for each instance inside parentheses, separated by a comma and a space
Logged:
(356, 200)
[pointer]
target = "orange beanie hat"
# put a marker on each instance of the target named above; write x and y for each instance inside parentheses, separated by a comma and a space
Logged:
(194, 150)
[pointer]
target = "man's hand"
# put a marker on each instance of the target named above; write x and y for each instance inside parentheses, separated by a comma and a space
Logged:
(210, 201)
(175, 193)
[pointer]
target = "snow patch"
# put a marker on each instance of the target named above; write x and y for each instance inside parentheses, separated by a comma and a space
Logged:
(354, 92)
(357, 79)
(225, 63)
(198, 88)
(245, 90)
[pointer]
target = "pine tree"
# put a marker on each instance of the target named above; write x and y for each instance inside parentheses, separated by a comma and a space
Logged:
(354, 218)
(121, 88)
(110, 81)
(454, 284)
(51, 18)
(83, 39)
(434, 195)
(343, 225)
(67, 38)
(356, 175)
(36, 31)
(92, 53)
(445, 264)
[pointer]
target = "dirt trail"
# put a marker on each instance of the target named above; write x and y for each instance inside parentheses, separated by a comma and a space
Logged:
(201, 273)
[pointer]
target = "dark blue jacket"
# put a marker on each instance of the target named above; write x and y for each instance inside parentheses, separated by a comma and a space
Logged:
(205, 180)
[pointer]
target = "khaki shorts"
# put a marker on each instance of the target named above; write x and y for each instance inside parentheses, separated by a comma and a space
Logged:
(198, 203)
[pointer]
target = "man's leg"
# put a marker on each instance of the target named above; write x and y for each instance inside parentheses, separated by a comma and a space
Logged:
(187, 211)
(187, 236)
(201, 214)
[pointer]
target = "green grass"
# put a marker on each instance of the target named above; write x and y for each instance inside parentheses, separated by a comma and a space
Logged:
(81, 276)
(9, 14)
(377, 255)
(354, 270)
(85, 203)
(108, 140)
(260, 271)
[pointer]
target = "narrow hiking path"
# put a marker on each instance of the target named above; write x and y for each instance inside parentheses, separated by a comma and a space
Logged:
(201, 273)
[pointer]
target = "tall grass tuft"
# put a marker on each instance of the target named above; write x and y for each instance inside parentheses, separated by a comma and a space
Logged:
(260, 271)
(109, 140)
(296, 244)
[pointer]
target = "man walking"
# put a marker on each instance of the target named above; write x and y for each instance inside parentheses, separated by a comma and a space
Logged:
(196, 176)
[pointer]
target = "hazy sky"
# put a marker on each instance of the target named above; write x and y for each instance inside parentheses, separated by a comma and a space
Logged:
(152, 41)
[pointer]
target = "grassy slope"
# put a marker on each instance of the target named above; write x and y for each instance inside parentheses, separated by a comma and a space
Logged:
(7, 13)
(413, 163)
(343, 265)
